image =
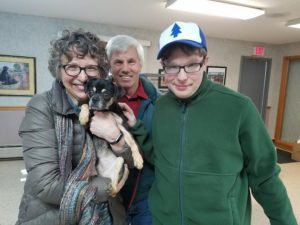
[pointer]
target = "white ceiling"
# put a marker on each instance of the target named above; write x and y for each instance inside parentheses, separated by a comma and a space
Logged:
(151, 14)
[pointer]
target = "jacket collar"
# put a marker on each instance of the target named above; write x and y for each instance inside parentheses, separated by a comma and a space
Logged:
(149, 88)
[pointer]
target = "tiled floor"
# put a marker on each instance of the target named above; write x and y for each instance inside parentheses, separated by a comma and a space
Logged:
(11, 189)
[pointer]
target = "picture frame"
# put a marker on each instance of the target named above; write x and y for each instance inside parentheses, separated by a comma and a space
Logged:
(216, 74)
(161, 80)
(17, 75)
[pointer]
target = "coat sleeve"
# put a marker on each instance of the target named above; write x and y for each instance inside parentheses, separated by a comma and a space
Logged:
(263, 170)
(40, 151)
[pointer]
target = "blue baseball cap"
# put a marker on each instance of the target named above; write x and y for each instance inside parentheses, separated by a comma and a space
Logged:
(182, 32)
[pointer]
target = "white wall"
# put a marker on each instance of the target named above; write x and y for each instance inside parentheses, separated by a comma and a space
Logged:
(31, 35)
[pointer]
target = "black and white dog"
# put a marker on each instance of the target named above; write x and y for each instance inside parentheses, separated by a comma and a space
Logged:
(103, 94)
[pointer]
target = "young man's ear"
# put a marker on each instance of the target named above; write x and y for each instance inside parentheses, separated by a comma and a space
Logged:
(205, 63)
(206, 60)
(161, 63)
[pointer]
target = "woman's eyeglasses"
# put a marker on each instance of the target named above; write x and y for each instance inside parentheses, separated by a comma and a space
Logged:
(91, 71)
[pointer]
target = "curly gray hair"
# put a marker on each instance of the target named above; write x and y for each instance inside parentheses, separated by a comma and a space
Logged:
(76, 42)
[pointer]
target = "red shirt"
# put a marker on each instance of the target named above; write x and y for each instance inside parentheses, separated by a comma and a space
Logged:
(135, 101)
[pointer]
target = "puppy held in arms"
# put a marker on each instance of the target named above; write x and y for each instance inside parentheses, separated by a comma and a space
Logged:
(103, 94)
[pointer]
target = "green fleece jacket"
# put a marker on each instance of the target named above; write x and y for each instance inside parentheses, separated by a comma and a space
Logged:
(209, 152)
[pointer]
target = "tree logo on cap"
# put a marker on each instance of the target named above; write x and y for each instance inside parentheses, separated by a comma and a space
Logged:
(175, 30)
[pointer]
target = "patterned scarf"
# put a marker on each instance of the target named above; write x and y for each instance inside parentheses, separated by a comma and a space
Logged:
(77, 205)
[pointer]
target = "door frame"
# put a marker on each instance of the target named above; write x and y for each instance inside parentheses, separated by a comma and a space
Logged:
(281, 144)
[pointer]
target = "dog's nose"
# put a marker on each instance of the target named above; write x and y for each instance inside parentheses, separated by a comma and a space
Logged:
(96, 98)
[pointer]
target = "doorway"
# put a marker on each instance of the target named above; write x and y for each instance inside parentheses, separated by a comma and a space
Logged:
(254, 81)
(287, 129)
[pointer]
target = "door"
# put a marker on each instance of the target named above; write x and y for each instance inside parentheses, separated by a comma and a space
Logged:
(254, 81)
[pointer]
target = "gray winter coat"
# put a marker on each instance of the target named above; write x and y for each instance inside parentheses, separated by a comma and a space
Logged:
(44, 186)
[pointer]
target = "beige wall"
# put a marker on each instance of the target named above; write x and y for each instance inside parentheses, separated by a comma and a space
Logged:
(30, 36)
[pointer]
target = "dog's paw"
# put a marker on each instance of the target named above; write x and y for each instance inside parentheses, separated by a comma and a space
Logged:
(84, 114)
(113, 191)
(137, 160)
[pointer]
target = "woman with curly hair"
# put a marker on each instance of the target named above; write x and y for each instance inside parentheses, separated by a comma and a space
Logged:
(62, 186)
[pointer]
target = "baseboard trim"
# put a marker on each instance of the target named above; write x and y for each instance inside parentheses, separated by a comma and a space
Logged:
(7, 152)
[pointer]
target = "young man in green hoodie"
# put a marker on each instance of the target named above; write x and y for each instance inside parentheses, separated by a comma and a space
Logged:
(209, 145)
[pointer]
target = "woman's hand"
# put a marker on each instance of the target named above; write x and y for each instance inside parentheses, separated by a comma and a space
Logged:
(128, 113)
(103, 125)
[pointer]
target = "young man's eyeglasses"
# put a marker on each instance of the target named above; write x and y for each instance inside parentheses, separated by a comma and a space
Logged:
(190, 68)
(91, 71)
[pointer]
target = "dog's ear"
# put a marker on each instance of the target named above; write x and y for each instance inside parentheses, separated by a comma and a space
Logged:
(118, 91)
(88, 84)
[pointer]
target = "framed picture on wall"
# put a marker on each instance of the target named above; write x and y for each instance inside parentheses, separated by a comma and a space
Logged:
(161, 80)
(217, 74)
(17, 75)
